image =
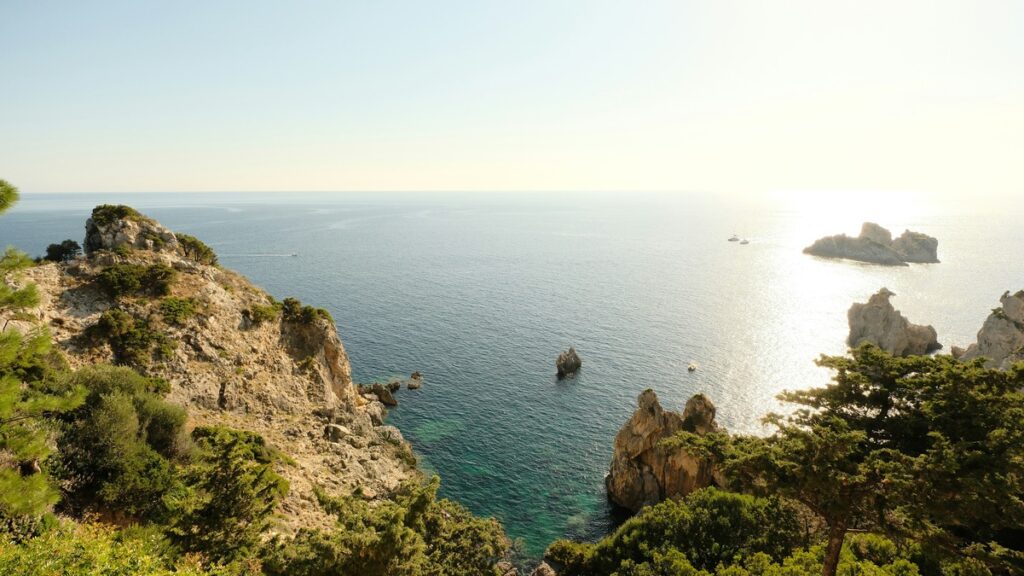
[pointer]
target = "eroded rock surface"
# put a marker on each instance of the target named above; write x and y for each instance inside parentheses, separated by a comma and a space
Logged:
(568, 363)
(1001, 338)
(876, 245)
(644, 469)
(877, 322)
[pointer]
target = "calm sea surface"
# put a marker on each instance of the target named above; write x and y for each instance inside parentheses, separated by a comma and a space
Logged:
(480, 292)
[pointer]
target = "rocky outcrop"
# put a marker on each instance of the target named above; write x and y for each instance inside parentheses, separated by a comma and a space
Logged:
(115, 227)
(876, 245)
(645, 470)
(415, 381)
(568, 363)
(1001, 338)
(285, 379)
(879, 323)
(543, 570)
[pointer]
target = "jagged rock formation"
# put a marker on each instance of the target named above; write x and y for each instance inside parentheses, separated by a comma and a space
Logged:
(1001, 338)
(644, 469)
(113, 227)
(568, 363)
(879, 323)
(288, 380)
(876, 245)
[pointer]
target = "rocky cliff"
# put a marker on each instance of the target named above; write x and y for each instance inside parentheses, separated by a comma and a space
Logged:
(876, 245)
(231, 356)
(876, 321)
(1001, 338)
(644, 469)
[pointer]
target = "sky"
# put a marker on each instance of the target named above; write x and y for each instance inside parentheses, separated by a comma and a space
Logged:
(722, 96)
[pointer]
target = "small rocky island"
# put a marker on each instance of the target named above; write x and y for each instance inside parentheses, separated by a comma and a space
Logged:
(645, 470)
(568, 363)
(876, 245)
(877, 322)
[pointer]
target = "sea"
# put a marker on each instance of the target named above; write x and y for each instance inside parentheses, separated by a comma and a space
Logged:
(481, 291)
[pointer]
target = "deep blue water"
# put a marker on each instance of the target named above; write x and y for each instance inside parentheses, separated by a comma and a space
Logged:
(481, 292)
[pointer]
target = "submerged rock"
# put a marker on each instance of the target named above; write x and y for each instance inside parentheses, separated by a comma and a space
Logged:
(1001, 338)
(879, 323)
(568, 363)
(875, 245)
(644, 470)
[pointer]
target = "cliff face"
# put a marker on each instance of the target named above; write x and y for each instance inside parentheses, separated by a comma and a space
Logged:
(879, 323)
(288, 380)
(644, 471)
(876, 245)
(1001, 338)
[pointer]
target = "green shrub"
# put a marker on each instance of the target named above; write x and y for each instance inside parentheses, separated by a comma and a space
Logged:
(106, 214)
(63, 252)
(197, 250)
(132, 340)
(293, 311)
(178, 310)
(260, 313)
(232, 492)
(121, 280)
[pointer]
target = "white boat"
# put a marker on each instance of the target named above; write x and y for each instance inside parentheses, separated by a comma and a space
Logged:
(692, 367)
(744, 241)
(734, 238)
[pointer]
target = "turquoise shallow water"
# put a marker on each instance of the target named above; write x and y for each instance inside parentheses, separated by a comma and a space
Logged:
(481, 293)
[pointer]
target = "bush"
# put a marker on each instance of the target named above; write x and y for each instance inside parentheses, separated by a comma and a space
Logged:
(63, 252)
(260, 313)
(119, 447)
(293, 311)
(106, 214)
(197, 250)
(178, 310)
(122, 280)
(132, 340)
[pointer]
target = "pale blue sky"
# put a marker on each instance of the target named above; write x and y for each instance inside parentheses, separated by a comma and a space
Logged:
(735, 97)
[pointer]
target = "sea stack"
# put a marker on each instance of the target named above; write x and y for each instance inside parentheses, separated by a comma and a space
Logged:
(879, 323)
(568, 363)
(876, 245)
(1001, 338)
(645, 471)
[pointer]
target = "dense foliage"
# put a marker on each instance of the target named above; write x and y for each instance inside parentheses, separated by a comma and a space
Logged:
(196, 249)
(178, 310)
(293, 311)
(133, 340)
(63, 252)
(411, 535)
(8, 195)
(124, 280)
(107, 214)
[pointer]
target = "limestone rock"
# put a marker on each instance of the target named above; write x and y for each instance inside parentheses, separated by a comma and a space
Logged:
(1001, 338)
(643, 470)
(415, 381)
(543, 570)
(875, 245)
(916, 247)
(568, 363)
(879, 323)
(121, 226)
(506, 568)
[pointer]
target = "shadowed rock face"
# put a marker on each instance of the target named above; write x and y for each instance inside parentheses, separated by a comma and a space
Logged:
(1001, 338)
(568, 363)
(644, 471)
(875, 245)
(879, 323)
